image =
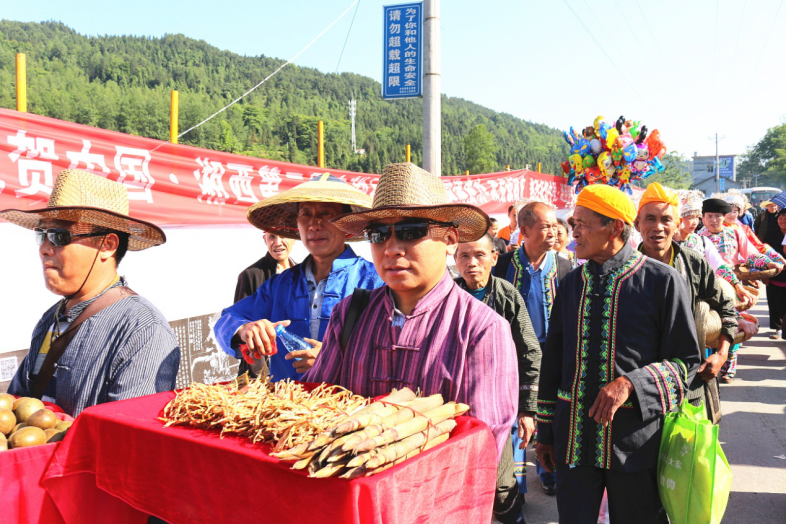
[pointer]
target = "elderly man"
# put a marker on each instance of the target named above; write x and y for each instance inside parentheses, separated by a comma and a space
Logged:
(102, 342)
(276, 260)
(301, 297)
(536, 271)
(621, 351)
(421, 330)
(475, 261)
(657, 221)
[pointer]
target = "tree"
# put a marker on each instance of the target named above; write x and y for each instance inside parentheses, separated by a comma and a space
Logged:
(676, 172)
(767, 158)
(480, 150)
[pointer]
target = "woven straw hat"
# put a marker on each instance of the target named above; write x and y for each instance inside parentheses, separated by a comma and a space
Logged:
(407, 191)
(85, 198)
(278, 214)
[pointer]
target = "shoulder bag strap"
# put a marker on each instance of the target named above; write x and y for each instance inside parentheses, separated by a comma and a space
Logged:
(58, 347)
(357, 304)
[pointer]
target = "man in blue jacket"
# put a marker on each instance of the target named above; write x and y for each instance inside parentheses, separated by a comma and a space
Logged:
(300, 298)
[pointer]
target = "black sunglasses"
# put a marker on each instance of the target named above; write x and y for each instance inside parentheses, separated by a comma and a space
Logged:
(60, 237)
(405, 231)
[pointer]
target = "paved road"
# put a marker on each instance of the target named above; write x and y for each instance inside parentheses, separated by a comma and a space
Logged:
(752, 432)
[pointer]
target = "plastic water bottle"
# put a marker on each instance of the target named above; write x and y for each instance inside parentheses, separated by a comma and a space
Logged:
(291, 342)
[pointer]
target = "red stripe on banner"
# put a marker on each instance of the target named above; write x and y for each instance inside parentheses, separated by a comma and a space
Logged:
(180, 185)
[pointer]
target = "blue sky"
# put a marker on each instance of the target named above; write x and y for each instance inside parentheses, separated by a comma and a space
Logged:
(687, 68)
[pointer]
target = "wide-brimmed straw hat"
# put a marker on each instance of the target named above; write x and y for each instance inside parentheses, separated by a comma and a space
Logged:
(82, 197)
(407, 191)
(278, 214)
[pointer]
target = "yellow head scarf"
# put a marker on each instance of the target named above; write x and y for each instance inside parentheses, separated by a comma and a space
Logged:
(608, 201)
(657, 193)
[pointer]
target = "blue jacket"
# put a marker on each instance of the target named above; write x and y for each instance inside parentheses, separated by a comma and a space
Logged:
(285, 297)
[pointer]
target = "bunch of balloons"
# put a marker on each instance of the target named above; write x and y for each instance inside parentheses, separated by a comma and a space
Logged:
(613, 155)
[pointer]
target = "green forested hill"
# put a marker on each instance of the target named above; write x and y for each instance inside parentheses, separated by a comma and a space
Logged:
(122, 83)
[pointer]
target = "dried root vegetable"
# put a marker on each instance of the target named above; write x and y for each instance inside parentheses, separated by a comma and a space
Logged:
(357, 447)
(284, 413)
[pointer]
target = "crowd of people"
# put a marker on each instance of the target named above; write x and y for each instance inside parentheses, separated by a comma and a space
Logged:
(574, 334)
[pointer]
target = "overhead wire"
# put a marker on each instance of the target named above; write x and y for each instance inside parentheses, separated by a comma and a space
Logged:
(739, 32)
(622, 75)
(612, 40)
(635, 37)
(657, 46)
(347, 38)
(766, 41)
(241, 97)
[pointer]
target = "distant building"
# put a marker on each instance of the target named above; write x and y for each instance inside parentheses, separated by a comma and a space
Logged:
(703, 173)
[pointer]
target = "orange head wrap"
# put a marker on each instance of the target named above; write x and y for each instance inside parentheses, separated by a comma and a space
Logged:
(608, 201)
(657, 193)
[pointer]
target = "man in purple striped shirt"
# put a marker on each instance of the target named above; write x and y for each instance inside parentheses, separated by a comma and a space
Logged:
(421, 330)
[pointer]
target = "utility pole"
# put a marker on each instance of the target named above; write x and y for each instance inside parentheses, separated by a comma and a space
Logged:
(352, 112)
(432, 89)
(717, 163)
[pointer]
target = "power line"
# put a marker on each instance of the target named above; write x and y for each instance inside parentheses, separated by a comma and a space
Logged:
(347, 39)
(739, 31)
(612, 40)
(630, 27)
(662, 57)
(766, 41)
(241, 97)
(715, 45)
(624, 77)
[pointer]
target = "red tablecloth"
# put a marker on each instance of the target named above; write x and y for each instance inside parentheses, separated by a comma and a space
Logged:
(120, 464)
(22, 496)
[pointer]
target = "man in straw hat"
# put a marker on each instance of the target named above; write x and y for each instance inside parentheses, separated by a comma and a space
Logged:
(102, 342)
(657, 221)
(621, 343)
(421, 330)
(301, 297)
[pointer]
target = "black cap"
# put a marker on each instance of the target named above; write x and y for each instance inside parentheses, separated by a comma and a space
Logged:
(715, 205)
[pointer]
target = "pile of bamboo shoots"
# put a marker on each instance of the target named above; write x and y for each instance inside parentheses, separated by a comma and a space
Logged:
(283, 414)
(377, 436)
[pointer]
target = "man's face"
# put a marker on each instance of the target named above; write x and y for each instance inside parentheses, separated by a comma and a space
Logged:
(474, 261)
(657, 223)
(731, 217)
(321, 238)
(66, 267)
(772, 208)
(562, 238)
(414, 266)
(689, 223)
(713, 222)
(278, 247)
(543, 233)
(591, 236)
(494, 229)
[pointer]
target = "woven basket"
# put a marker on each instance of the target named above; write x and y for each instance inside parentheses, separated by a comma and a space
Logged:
(730, 293)
(708, 326)
(746, 275)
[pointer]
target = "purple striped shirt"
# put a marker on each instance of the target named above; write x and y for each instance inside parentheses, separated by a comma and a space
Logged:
(451, 344)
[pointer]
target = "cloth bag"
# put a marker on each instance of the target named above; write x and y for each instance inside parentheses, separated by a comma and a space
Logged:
(694, 478)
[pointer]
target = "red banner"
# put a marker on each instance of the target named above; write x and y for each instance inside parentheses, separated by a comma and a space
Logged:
(180, 185)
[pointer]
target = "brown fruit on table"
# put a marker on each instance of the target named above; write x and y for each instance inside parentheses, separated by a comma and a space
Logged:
(17, 401)
(26, 437)
(50, 433)
(3, 445)
(7, 401)
(17, 428)
(43, 418)
(7, 421)
(63, 425)
(27, 407)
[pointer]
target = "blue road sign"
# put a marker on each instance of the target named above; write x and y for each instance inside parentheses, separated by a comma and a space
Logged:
(402, 63)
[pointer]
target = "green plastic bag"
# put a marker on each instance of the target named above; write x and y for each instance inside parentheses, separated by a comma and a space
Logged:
(694, 478)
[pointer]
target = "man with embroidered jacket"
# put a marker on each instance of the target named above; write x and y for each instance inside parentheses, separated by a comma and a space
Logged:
(302, 297)
(620, 353)
(536, 271)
